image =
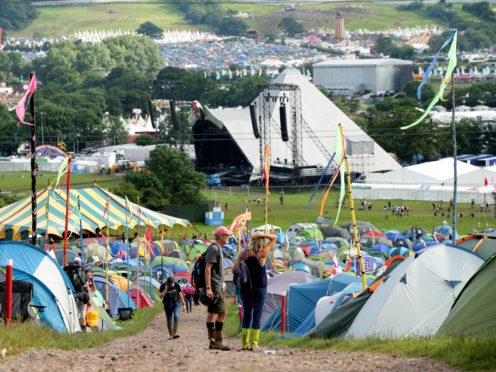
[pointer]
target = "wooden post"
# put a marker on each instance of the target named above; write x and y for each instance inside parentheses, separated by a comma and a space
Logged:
(283, 312)
(67, 200)
(8, 292)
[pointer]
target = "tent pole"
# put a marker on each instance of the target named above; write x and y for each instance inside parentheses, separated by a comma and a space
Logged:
(67, 199)
(34, 214)
(455, 176)
(127, 256)
(353, 218)
(47, 216)
(80, 228)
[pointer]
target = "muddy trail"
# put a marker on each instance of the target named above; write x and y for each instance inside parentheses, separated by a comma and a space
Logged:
(151, 350)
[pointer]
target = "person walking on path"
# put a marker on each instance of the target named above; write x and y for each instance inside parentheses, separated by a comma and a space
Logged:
(253, 300)
(214, 280)
(188, 291)
(171, 295)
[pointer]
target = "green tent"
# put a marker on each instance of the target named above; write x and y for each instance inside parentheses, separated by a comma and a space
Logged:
(487, 247)
(472, 314)
(309, 234)
(159, 260)
(337, 323)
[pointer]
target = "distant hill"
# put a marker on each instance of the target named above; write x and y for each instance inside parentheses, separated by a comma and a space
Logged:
(56, 20)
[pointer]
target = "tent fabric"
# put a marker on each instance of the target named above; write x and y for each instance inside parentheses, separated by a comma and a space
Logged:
(472, 314)
(116, 297)
(38, 264)
(417, 296)
(302, 298)
(17, 216)
(140, 298)
(486, 249)
(279, 284)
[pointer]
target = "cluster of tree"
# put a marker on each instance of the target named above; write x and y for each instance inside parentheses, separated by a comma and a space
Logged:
(385, 45)
(476, 32)
(291, 26)
(80, 83)
(210, 13)
(170, 179)
(15, 15)
(383, 120)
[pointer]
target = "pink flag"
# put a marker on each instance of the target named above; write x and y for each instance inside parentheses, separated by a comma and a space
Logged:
(21, 106)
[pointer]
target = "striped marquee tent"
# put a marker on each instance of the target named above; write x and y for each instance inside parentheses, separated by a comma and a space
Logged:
(15, 219)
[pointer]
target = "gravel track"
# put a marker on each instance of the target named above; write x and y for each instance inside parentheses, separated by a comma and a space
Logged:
(151, 350)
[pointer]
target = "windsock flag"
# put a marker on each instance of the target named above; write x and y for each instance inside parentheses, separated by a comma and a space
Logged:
(444, 83)
(21, 105)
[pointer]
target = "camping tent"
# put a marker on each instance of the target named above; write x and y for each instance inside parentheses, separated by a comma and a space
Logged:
(416, 298)
(116, 297)
(51, 286)
(485, 244)
(472, 314)
(279, 284)
(16, 218)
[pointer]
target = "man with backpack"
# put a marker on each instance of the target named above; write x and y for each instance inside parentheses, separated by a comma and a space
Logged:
(171, 295)
(214, 280)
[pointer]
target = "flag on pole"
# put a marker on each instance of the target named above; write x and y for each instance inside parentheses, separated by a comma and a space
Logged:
(266, 166)
(21, 105)
(444, 83)
(486, 182)
(149, 240)
(62, 170)
(427, 73)
(240, 220)
(106, 209)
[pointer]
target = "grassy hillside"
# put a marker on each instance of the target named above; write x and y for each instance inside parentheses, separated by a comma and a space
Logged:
(67, 19)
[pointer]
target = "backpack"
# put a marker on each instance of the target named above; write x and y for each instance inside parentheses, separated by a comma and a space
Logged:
(198, 273)
(241, 277)
(75, 272)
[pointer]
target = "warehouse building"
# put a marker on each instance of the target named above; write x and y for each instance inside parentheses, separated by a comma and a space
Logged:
(359, 76)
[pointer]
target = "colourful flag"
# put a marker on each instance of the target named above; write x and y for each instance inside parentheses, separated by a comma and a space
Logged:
(149, 240)
(62, 170)
(444, 83)
(340, 152)
(21, 105)
(266, 166)
(106, 209)
(427, 73)
(239, 221)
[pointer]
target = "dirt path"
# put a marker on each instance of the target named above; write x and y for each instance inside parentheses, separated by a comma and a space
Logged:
(151, 350)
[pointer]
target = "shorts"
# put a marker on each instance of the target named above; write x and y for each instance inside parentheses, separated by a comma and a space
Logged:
(217, 305)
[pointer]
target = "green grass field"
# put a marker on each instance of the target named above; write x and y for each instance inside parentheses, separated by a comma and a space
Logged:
(295, 210)
(20, 182)
(458, 352)
(67, 19)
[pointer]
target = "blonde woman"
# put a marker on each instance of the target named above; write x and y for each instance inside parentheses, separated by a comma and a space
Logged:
(253, 300)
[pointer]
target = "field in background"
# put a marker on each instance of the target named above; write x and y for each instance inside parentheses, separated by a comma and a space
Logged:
(20, 182)
(295, 210)
(67, 19)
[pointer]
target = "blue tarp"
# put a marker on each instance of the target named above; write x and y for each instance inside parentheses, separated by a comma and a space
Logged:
(302, 298)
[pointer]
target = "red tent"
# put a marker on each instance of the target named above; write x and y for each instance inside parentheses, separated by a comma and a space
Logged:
(373, 233)
(141, 298)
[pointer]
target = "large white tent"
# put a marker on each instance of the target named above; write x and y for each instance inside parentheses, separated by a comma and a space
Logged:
(431, 181)
(320, 119)
(438, 172)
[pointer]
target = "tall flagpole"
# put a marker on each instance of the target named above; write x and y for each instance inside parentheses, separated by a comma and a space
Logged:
(80, 228)
(453, 132)
(353, 218)
(67, 199)
(34, 214)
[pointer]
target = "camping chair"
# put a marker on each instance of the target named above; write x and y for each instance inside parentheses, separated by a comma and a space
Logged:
(21, 297)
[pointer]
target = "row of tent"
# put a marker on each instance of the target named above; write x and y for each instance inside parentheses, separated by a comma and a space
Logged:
(53, 302)
(441, 289)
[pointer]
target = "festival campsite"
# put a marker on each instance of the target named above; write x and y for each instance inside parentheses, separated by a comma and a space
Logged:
(86, 260)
